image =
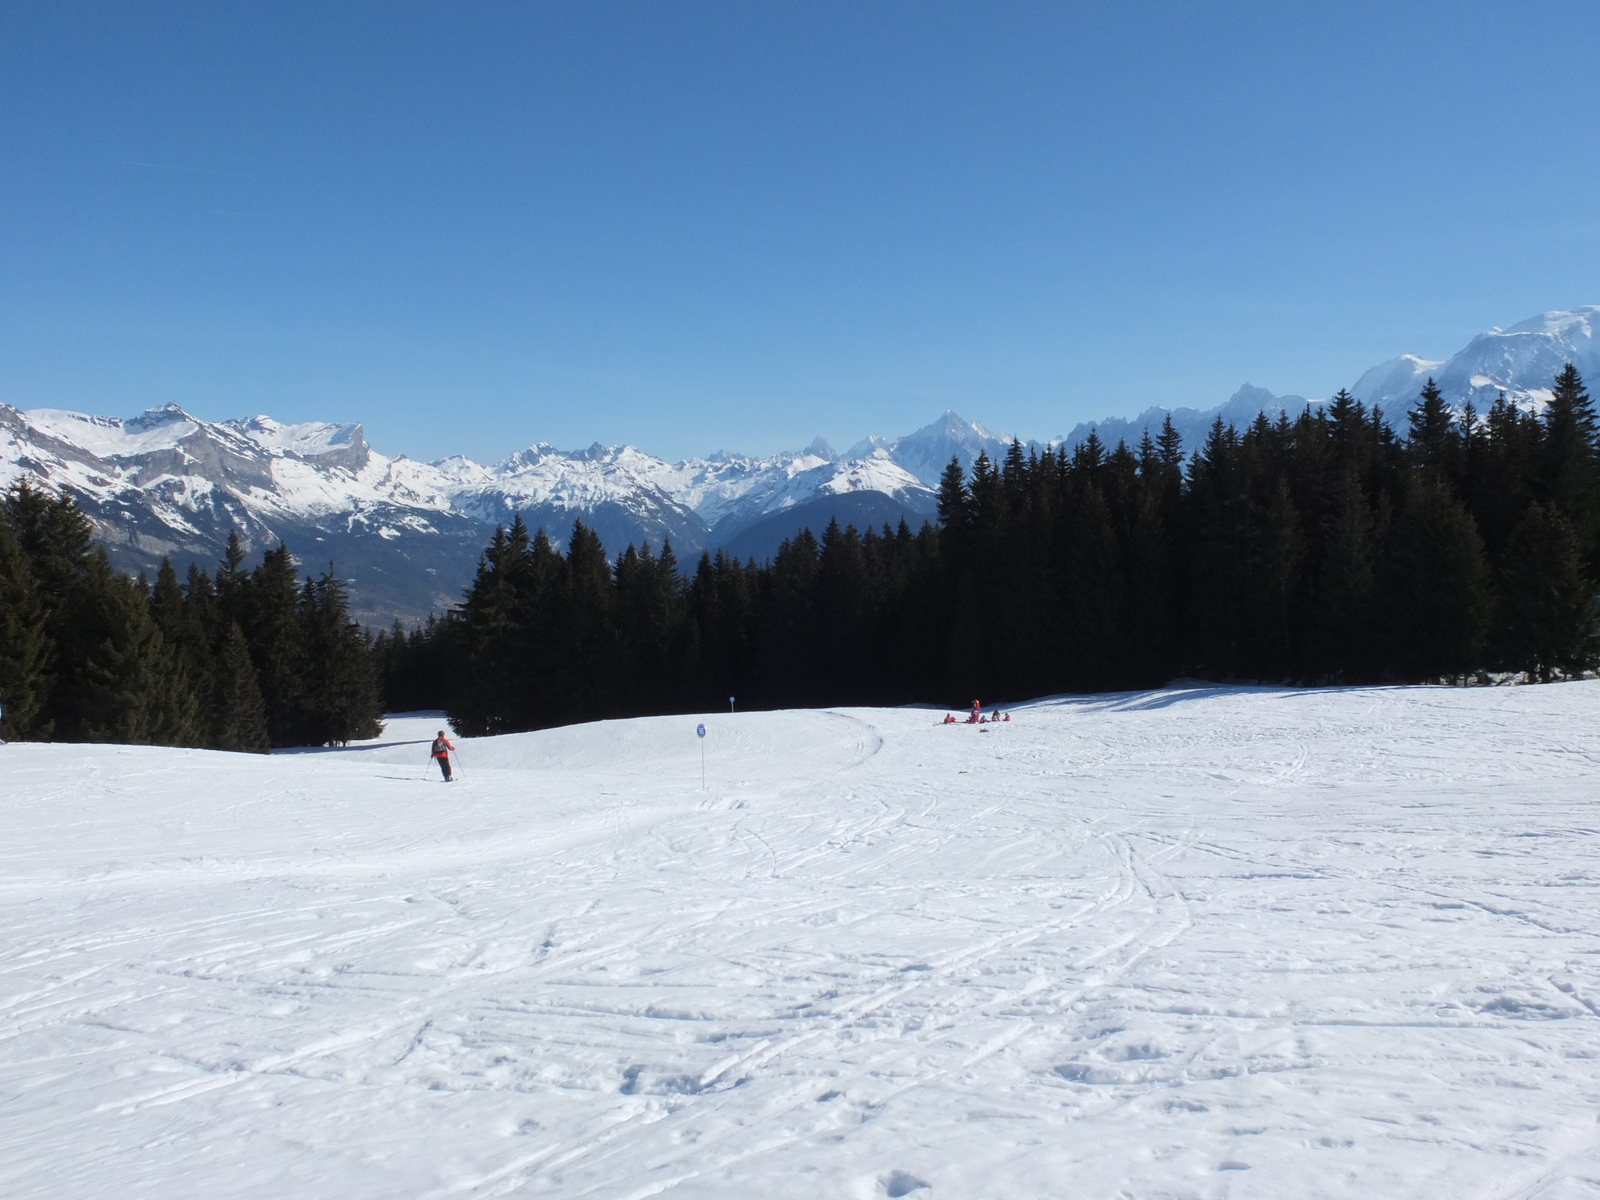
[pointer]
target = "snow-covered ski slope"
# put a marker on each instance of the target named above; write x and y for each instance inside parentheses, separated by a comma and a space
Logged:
(1200, 942)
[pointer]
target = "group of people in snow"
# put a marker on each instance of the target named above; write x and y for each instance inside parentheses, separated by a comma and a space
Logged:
(977, 717)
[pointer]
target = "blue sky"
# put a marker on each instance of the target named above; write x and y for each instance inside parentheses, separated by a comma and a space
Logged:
(690, 226)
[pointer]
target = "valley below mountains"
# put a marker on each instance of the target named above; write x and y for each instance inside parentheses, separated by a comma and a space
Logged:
(406, 535)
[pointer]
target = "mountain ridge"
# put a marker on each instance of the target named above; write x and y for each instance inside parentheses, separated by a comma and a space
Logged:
(407, 534)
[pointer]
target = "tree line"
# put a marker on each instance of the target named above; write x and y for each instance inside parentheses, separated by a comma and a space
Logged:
(246, 660)
(1327, 548)
(1323, 549)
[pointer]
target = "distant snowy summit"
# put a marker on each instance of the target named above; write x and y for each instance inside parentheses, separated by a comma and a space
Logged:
(408, 534)
(1519, 361)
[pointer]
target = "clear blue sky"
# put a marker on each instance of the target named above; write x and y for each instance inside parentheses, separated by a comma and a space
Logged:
(689, 226)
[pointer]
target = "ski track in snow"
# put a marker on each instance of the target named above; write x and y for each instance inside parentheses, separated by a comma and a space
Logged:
(1200, 942)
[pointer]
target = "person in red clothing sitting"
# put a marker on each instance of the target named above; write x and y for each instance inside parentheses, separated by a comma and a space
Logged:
(441, 752)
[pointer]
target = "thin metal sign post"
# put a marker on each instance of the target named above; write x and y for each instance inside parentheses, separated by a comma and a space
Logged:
(700, 732)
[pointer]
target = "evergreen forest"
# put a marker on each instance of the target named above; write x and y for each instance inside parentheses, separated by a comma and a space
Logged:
(248, 660)
(1326, 549)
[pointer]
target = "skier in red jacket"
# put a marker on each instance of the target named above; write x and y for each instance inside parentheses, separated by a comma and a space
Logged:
(441, 751)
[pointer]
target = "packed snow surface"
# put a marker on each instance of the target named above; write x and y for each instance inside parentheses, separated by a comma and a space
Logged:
(1199, 942)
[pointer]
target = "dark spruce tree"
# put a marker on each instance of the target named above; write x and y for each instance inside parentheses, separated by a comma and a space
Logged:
(267, 607)
(112, 678)
(1434, 443)
(489, 689)
(130, 687)
(238, 716)
(1546, 616)
(339, 688)
(25, 646)
(652, 629)
(1435, 587)
(1570, 476)
(1343, 621)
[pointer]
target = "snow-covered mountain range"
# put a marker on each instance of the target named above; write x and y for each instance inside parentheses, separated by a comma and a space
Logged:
(407, 534)
(1519, 361)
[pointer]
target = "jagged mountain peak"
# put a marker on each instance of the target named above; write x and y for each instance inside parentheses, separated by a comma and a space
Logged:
(871, 444)
(161, 414)
(821, 449)
(1249, 393)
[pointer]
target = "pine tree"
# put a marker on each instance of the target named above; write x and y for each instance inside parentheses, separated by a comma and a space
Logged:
(1091, 592)
(1435, 587)
(1570, 475)
(720, 611)
(1219, 553)
(233, 582)
(1342, 617)
(1146, 606)
(1169, 452)
(787, 636)
(268, 611)
(498, 618)
(187, 625)
(128, 687)
(238, 715)
(650, 612)
(1277, 554)
(339, 691)
(111, 679)
(1547, 613)
(954, 501)
(25, 645)
(1434, 443)
(588, 614)
(843, 618)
